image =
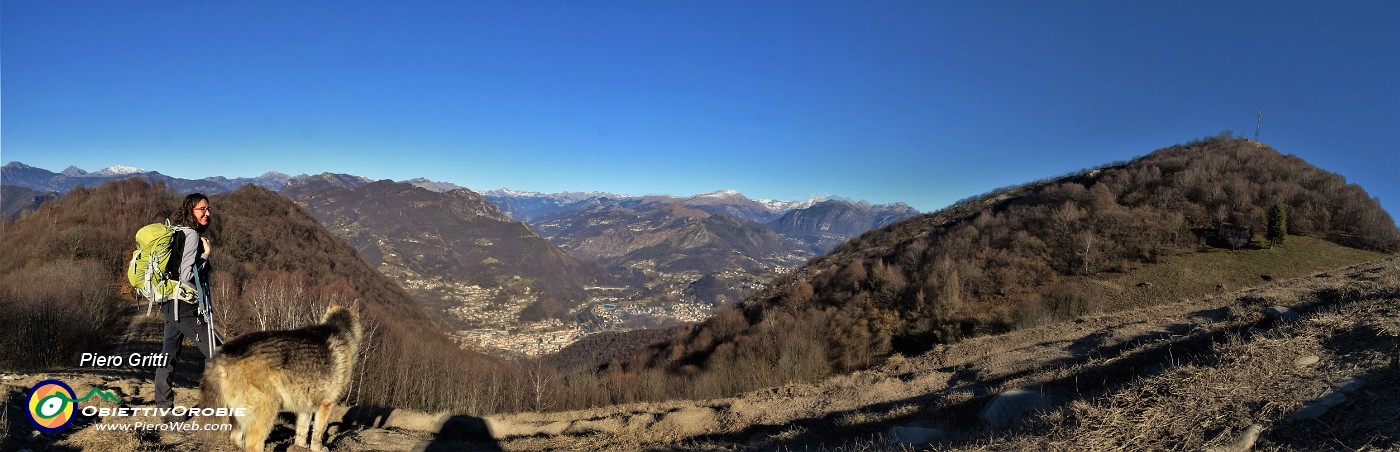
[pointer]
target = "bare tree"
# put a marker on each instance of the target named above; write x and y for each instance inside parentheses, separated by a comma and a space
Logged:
(1085, 248)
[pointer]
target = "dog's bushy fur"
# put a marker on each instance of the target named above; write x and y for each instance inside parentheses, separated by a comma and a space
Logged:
(304, 370)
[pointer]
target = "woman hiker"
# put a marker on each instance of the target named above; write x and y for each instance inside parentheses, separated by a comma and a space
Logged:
(183, 316)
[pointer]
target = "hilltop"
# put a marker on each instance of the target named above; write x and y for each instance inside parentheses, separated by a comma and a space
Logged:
(1019, 257)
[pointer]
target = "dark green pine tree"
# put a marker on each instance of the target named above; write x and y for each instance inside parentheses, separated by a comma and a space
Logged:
(1278, 224)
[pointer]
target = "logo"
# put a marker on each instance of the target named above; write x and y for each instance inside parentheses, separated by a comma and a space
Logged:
(52, 403)
(50, 406)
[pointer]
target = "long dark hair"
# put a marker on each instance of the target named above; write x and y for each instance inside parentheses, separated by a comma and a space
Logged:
(185, 216)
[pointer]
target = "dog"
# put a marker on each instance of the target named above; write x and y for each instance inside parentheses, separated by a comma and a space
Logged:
(304, 370)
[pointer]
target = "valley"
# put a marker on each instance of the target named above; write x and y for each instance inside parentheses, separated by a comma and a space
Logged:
(598, 264)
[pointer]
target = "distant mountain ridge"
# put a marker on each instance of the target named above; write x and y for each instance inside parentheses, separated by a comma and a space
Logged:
(440, 187)
(668, 230)
(825, 224)
(519, 205)
(674, 252)
(527, 206)
(38, 179)
(733, 204)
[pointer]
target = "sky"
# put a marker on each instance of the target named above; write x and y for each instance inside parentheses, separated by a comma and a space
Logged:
(921, 102)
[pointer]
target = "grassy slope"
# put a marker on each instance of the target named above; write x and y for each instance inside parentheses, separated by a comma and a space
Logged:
(1196, 275)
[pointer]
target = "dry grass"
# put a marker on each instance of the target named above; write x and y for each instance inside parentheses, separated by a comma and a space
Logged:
(1251, 379)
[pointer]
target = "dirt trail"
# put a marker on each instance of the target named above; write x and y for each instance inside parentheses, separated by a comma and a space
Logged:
(1201, 373)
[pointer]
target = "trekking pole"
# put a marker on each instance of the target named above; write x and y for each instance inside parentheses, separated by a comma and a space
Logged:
(205, 309)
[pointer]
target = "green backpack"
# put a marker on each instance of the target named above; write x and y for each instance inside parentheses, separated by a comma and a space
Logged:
(153, 272)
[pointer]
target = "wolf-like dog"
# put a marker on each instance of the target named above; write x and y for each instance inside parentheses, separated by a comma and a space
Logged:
(303, 370)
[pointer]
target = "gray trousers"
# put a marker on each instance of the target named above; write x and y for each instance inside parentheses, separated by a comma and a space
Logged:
(189, 325)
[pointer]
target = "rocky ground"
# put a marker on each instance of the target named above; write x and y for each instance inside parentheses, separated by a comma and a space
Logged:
(1310, 363)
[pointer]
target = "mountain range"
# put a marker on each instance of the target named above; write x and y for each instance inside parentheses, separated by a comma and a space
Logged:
(817, 223)
(527, 206)
(674, 251)
(38, 179)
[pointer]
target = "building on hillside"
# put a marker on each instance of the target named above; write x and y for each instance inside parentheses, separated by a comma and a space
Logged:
(1236, 236)
(1226, 235)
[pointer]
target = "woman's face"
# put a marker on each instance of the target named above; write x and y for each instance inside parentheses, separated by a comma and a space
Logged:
(202, 211)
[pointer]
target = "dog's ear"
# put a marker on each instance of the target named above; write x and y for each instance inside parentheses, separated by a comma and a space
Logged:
(356, 306)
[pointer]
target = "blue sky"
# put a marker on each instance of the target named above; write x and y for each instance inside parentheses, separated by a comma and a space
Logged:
(922, 102)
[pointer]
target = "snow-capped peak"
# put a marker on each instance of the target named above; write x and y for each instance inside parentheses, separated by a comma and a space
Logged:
(511, 193)
(567, 196)
(119, 170)
(785, 206)
(726, 193)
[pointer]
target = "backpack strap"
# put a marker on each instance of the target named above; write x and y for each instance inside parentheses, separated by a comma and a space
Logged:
(177, 252)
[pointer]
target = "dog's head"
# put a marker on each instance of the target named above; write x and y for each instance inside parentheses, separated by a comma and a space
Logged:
(346, 319)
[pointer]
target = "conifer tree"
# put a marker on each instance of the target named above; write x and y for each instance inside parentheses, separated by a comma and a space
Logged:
(1278, 224)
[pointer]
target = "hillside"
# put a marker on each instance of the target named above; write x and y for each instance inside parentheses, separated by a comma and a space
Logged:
(1209, 372)
(472, 266)
(274, 267)
(1015, 258)
(16, 200)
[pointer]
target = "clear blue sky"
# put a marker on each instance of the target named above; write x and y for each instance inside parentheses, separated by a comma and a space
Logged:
(924, 102)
